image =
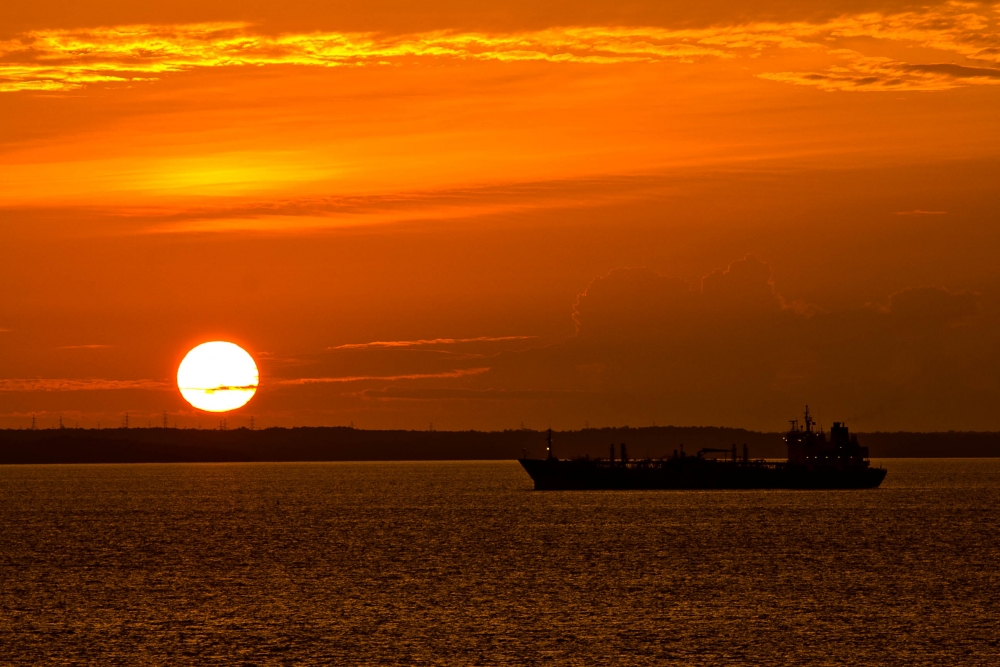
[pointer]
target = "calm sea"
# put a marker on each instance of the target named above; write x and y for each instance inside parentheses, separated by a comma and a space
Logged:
(463, 564)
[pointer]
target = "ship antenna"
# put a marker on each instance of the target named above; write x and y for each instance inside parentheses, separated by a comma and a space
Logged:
(548, 440)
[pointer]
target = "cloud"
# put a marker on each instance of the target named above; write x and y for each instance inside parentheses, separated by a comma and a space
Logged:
(60, 60)
(84, 347)
(458, 394)
(649, 346)
(745, 283)
(65, 384)
(434, 341)
(627, 301)
(459, 373)
(222, 388)
(346, 211)
(955, 71)
(923, 306)
(867, 74)
(638, 302)
(51, 60)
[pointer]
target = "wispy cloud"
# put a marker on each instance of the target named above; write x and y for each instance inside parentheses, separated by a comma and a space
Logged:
(222, 388)
(59, 60)
(463, 372)
(919, 212)
(461, 394)
(432, 341)
(346, 211)
(863, 73)
(70, 59)
(65, 384)
(84, 347)
(320, 213)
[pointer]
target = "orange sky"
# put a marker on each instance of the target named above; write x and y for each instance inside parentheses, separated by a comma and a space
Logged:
(483, 216)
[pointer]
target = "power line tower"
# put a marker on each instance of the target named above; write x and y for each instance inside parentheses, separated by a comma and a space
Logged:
(165, 419)
(125, 421)
(34, 426)
(61, 427)
(251, 422)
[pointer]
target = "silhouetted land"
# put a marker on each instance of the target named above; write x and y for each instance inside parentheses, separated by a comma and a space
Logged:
(151, 445)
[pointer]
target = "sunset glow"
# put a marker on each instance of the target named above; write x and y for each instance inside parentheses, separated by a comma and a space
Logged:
(487, 215)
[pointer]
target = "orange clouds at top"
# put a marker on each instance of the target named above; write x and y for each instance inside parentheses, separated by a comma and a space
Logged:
(229, 128)
(56, 60)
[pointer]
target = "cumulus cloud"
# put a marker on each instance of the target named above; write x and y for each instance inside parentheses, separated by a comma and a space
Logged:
(634, 303)
(627, 301)
(731, 350)
(744, 284)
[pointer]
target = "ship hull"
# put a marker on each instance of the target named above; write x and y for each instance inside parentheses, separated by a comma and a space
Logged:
(558, 475)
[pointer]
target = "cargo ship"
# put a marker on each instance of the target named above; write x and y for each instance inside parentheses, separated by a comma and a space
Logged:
(814, 462)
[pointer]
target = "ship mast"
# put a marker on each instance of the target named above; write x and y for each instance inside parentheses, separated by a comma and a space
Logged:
(809, 421)
(548, 446)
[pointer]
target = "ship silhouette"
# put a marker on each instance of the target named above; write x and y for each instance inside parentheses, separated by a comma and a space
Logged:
(814, 462)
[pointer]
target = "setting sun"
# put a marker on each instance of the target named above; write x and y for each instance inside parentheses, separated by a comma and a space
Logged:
(217, 377)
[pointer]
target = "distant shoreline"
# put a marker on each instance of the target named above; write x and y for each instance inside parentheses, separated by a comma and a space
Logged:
(304, 444)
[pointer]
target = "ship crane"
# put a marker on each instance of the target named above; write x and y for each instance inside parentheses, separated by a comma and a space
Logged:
(711, 450)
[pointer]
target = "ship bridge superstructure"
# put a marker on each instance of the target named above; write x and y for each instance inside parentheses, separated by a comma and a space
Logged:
(809, 447)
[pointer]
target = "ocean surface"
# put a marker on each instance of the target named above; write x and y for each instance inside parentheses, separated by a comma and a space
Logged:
(463, 564)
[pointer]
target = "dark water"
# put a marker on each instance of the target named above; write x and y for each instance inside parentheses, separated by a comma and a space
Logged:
(461, 564)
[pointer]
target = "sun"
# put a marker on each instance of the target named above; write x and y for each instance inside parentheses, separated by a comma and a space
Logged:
(217, 377)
